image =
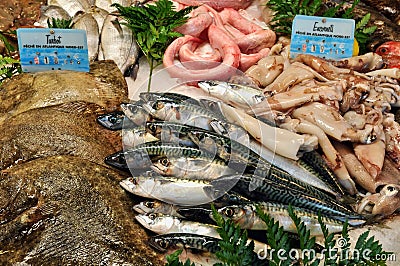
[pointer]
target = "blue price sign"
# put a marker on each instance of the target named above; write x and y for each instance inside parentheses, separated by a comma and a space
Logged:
(53, 49)
(330, 38)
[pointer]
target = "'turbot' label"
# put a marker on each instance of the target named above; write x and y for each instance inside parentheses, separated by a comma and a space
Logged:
(330, 38)
(53, 49)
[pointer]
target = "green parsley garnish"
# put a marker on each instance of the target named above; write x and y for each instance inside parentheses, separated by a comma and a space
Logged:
(153, 27)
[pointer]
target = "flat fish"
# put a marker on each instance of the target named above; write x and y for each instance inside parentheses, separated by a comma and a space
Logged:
(78, 215)
(56, 130)
(103, 85)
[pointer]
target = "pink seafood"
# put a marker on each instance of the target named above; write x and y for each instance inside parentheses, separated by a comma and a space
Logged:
(248, 60)
(199, 21)
(199, 51)
(218, 40)
(249, 36)
(218, 5)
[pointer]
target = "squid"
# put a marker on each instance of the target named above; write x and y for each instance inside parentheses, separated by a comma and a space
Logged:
(384, 203)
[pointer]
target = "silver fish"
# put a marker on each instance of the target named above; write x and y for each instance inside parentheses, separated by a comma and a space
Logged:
(156, 206)
(136, 113)
(235, 94)
(86, 21)
(48, 12)
(71, 6)
(261, 189)
(166, 224)
(204, 168)
(118, 43)
(132, 137)
(99, 15)
(197, 248)
(168, 189)
(246, 216)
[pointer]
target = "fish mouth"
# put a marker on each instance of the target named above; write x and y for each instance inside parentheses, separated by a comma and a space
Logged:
(128, 185)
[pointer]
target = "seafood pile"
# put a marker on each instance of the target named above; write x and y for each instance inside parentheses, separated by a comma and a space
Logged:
(107, 38)
(184, 155)
(59, 202)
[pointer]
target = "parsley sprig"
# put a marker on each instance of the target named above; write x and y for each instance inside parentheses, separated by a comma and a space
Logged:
(153, 27)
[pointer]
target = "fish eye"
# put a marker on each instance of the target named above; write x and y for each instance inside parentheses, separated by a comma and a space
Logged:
(132, 108)
(164, 161)
(112, 119)
(383, 50)
(152, 127)
(229, 212)
(152, 216)
(163, 243)
(133, 180)
(149, 204)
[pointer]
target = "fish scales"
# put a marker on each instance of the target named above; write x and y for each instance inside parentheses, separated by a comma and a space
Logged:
(168, 96)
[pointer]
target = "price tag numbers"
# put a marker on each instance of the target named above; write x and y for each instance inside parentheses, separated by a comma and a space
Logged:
(330, 38)
(53, 49)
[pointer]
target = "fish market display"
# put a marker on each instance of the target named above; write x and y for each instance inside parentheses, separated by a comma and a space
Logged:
(246, 126)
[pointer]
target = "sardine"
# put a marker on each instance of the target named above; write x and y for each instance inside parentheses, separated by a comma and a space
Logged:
(246, 216)
(260, 189)
(118, 43)
(168, 189)
(156, 206)
(240, 96)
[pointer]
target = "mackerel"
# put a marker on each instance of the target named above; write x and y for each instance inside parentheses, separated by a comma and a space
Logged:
(167, 96)
(240, 156)
(136, 113)
(166, 224)
(155, 206)
(168, 189)
(114, 121)
(261, 189)
(235, 94)
(246, 217)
